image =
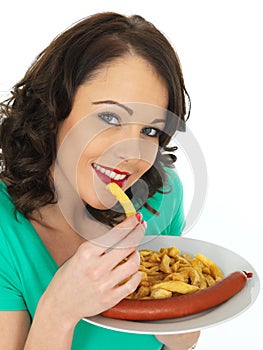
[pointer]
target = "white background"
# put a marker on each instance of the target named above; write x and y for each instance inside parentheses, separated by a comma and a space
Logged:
(220, 47)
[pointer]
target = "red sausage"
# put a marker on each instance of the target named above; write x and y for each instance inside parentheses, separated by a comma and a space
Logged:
(180, 306)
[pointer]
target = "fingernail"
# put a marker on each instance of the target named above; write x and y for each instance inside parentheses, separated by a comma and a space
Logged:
(139, 216)
(144, 223)
(138, 257)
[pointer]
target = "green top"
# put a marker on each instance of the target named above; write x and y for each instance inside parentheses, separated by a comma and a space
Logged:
(26, 267)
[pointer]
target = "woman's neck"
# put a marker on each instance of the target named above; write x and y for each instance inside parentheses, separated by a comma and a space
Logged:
(57, 235)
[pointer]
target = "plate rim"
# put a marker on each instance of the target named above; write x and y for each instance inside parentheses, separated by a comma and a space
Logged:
(158, 327)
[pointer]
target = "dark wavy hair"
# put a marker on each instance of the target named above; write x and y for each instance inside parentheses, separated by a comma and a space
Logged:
(44, 97)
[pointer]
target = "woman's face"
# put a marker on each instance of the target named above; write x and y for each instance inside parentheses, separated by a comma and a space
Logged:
(119, 113)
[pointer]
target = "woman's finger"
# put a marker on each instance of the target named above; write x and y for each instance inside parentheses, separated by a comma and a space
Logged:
(125, 270)
(118, 233)
(133, 239)
(123, 290)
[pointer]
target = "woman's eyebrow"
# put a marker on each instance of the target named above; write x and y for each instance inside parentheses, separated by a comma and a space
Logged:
(156, 121)
(111, 102)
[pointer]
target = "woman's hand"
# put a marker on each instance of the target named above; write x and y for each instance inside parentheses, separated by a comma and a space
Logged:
(91, 280)
(182, 341)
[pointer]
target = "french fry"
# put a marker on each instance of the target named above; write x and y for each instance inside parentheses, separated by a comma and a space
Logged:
(173, 252)
(165, 264)
(122, 198)
(168, 273)
(176, 286)
(215, 271)
(142, 292)
(161, 294)
(209, 280)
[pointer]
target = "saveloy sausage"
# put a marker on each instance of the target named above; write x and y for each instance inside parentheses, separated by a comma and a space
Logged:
(180, 306)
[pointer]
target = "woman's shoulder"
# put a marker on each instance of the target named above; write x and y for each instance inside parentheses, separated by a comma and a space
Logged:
(17, 235)
(6, 209)
(172, 189)
(5, 200)
(6, 203)
(168, 202)
(2, 187)
(9, 217)
(170, 195)
(173, 179)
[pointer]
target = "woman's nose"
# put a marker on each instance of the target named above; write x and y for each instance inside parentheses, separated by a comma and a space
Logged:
(133, 147)
(129, 149)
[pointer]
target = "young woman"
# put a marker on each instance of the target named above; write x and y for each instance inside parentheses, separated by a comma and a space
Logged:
(99, 104)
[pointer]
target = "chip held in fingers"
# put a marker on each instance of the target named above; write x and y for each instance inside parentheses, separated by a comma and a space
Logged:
(121, 196)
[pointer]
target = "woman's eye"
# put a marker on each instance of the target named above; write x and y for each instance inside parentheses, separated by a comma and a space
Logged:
(152, 132)
(110, 118)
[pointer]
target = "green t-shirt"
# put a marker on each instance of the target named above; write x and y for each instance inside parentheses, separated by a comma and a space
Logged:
(26, 267)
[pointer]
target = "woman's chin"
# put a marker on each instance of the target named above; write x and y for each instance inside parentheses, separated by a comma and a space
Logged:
(102, 206)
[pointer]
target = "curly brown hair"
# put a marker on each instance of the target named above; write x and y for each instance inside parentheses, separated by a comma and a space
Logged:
(44, 98)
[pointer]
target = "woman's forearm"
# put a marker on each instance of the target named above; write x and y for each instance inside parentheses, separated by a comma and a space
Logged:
(44, 337)
(49, 331)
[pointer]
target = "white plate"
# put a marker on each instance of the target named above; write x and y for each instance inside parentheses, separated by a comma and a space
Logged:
(227, 260)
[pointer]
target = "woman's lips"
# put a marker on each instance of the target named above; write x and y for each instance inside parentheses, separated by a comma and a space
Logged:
(107, 174)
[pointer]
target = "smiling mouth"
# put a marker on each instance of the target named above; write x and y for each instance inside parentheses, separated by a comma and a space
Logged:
(108, 175)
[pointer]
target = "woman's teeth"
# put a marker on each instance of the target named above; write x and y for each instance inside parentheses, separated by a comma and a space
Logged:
(109, 173)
